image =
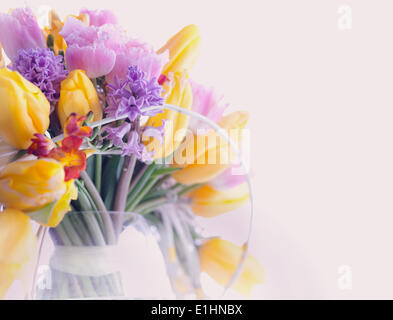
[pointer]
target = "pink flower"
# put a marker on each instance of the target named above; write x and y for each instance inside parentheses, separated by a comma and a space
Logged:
(20, 30)
(207, 103)
(230, 178)
(100, 17)
(107, 50)
(140, 54)
(87, 49)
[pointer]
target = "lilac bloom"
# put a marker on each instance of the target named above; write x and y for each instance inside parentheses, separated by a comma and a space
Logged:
(20, 30)
(42, 68)
(100, 17)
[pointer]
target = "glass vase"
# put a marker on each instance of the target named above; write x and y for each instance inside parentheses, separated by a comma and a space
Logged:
(82, 259)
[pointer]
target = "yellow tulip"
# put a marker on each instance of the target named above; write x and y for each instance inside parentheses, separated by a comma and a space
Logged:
(78, 95)
(31, 184)
(211, 154)
(24, 109)
(219, 259)
(176, 123)
(183, 49)
(18, 245)
(208, 202)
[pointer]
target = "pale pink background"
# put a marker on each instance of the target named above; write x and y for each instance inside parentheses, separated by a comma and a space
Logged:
(321, 126)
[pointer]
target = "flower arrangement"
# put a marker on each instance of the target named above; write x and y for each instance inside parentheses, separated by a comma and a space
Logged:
(94, 122)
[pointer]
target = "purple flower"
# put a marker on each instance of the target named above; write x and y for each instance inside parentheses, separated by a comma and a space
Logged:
(20, 30)
(132, 95)
(100, 17)
(116, 134)
(87, 49)
(42, 68)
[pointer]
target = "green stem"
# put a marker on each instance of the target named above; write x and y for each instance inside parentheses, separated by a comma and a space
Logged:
(107, 221)
(137, 178)
(98, 172)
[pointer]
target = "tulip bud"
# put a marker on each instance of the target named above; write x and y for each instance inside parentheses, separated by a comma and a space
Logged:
(175, 123)
(32, 184)
(211, 153)
(183, 50)
(220, 258)
(24, 109)
(18, 245)
(78, 95)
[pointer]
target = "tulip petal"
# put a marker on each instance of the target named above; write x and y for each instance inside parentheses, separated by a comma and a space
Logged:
(95, 60)
(20, 30)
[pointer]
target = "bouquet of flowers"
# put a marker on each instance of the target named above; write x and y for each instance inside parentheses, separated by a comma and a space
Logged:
(95, 124)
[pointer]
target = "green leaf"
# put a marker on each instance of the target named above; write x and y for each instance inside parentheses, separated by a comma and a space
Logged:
(42, 215)
(165, 171)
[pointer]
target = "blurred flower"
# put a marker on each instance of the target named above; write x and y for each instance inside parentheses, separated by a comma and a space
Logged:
(175, 123)
(78, 95)
(132, 95)
(209, 202)
(183, 50)
(99, 17)
(211, 154)
(42, 68)
(207, 103)
(18, 245)
(219, 259)
(31, 184)
(86, 47)
(24, 109)
(20, 30)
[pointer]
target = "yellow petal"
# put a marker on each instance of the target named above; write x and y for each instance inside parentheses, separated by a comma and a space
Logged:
(183, 49)
(176, 123)
(219, 259)
(63, 205)
(18, 246)
(209, 158)
(208, 202)
(78, 95)
(31, 184)
(24, 109)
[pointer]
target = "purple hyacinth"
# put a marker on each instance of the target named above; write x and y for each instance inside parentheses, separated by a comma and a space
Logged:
(133, 144)
(43, 68)
(132, 95)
